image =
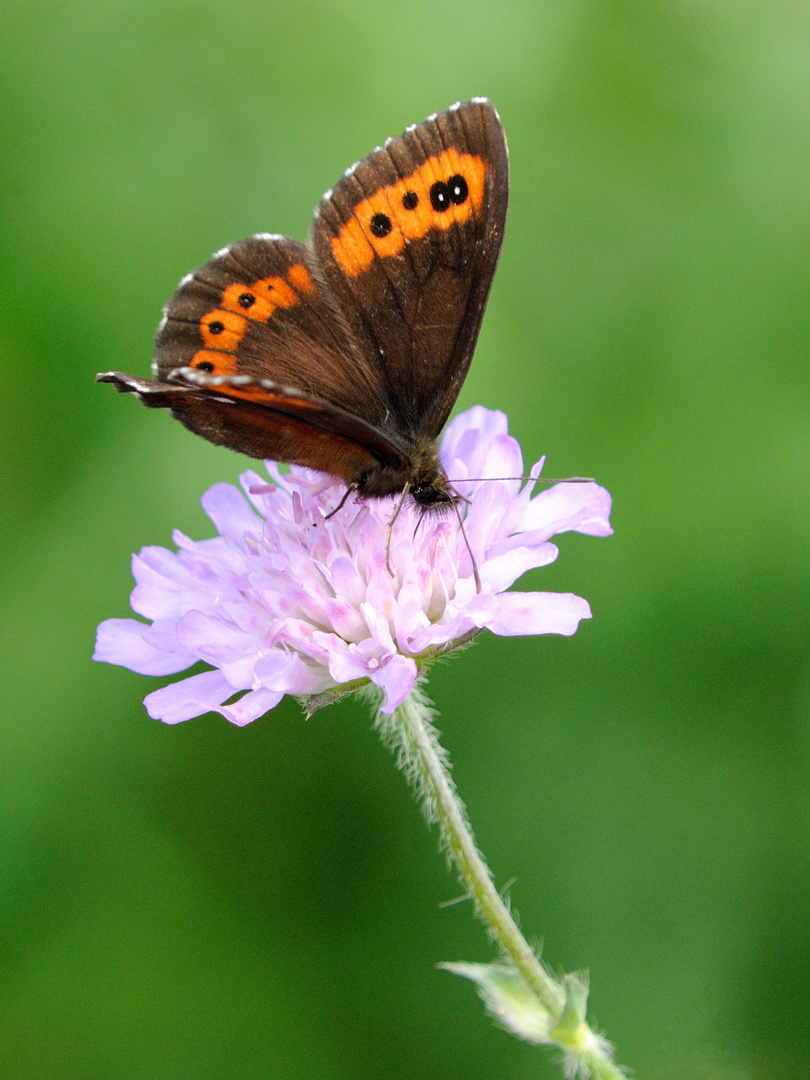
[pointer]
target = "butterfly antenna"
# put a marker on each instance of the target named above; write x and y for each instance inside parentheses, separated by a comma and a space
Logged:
(394, 517)
(536, 479)
(476, 575)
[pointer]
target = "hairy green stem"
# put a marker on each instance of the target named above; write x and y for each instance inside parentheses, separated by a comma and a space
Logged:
(410, 734)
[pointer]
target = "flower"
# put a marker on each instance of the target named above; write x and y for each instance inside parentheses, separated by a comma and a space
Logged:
(288, 600)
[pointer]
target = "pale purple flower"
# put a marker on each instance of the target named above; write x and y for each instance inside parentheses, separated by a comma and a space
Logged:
(286, 601)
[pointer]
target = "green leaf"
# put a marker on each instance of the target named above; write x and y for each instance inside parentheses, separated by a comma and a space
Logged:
(509, 999)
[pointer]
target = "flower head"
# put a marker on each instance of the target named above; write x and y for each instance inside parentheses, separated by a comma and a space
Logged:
(287, 600)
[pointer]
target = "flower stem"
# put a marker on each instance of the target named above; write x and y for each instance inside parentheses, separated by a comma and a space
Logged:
(409, 732)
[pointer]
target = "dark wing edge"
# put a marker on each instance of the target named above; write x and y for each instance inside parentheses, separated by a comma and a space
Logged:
(482, 125)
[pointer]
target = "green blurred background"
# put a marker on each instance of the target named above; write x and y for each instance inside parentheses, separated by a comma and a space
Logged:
(203, 902)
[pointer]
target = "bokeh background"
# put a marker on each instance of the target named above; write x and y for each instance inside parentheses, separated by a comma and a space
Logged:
(202, 902)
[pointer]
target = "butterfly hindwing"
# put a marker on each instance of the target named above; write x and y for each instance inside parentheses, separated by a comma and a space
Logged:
(253, 354)
(408, 242)
(260, 308)
(261, 419)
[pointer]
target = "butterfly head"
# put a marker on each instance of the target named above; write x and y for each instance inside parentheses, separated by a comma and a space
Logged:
(435, 494)
(418, 473)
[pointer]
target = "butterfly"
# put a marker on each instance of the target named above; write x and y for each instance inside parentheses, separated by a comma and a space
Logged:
(347, 354)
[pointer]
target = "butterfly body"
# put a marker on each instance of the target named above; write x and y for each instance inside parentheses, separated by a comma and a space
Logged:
(347, 354)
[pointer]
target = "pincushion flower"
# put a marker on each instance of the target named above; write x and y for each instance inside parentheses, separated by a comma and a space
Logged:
(287, 600)
(292, 597)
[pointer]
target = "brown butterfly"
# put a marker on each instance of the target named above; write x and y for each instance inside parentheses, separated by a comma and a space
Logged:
(347, 354)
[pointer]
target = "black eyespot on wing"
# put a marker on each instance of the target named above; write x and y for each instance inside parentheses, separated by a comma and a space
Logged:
(380, 225)
(410, 200)
(440, 197)
(216, 327)
(204, 365)
(247, 300)
(458, 189)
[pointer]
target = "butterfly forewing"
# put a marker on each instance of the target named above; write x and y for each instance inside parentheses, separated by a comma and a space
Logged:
(408, 242)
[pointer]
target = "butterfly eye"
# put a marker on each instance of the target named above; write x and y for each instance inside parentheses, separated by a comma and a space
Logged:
(458, 190)
(380, 225)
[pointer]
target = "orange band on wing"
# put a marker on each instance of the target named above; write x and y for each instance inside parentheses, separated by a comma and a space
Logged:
(224, 327)
(448, 188)
(299, 276)
(259, 395)
(217, 363)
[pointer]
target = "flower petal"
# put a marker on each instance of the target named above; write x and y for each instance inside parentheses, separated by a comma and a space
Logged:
(504, 570)
(213, 638)
(350, 662)
(121, 641)
(521, 613)
(191, 697)
(468, 437)
(161, 580)
(395, 679)
(250, 706)
(230, 512)
(583, 508)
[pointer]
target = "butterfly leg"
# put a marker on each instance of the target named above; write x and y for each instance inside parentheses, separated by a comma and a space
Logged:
(346, 494)
(476, 575)
(394, 517)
